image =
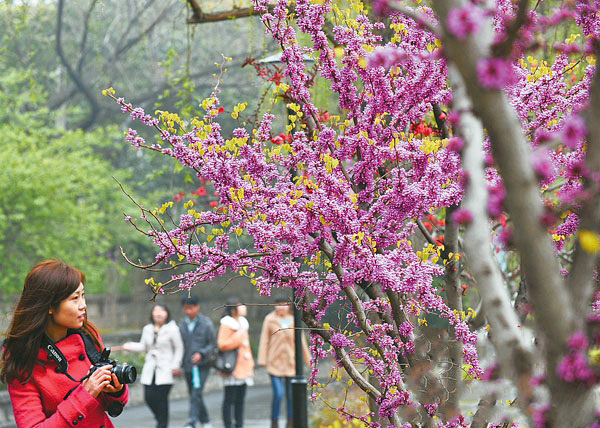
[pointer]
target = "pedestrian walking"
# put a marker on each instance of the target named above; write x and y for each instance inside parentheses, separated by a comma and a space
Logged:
(161, 341)
(276, 352)
(233, 334)
(198, 334)
(48, 351)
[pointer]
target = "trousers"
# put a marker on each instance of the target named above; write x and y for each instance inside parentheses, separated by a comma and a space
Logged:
(279, 385)
(198, 410)
(157, 398)
(233, 399)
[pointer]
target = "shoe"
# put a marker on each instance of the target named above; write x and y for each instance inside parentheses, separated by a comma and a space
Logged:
(274, 424)
(189, 425)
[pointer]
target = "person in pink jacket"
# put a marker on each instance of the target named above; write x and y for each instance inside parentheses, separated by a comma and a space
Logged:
(233, 334)
(45, 362)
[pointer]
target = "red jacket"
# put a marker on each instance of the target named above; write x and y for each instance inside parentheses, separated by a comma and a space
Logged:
(40, 402)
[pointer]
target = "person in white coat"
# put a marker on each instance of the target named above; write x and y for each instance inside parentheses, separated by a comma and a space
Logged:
(162, 343)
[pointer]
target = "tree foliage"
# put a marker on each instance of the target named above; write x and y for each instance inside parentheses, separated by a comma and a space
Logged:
(58, 198)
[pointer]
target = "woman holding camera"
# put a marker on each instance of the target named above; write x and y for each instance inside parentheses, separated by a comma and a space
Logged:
(162, 343)
(45, 361)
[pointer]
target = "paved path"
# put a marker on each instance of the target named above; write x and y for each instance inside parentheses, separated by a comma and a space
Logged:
(257, 411)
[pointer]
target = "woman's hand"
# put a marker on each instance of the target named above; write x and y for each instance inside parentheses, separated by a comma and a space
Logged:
(98, 380)
(114, 386)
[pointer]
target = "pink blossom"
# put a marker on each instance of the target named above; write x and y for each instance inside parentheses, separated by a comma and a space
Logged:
(462, 216)
(574, 368)
(540, 415)
(577, 341)
(542, 165)
(494, 73)
(547, 218)
(338, 340)
(574, 131)
(455, 144)
(431, 409)
(384, 56)
(464, 21)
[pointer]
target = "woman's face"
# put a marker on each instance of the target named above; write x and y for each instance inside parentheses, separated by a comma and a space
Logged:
(282, 309)
(159, 315)
(70, 313)
(240, 311)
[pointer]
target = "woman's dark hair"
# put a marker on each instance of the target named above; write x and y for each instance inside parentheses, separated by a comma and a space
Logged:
(46, 286)
(281, 298)
(230, 304)
(160, 305)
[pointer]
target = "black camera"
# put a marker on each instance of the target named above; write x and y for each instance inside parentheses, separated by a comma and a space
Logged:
(125, 373)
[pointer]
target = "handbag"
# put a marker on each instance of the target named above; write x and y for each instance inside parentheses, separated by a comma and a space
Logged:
(224, 361)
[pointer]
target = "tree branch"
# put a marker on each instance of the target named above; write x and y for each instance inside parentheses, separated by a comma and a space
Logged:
(199, 17)
(511, 153)
(504, 47)
(133, 41)
(72, 74)
(514, 354)
(86, 28)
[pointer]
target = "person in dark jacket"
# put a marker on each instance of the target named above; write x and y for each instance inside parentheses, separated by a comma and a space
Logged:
(198, 335)
(45, 358)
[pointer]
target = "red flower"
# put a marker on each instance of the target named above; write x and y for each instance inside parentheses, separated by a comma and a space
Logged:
(276, 77)
(277, 140)
(323, 117)
(421, 129)
(221, 110)
(281, 138)
(178, 196)
(213, 204)
(200, 191)
(502, 220)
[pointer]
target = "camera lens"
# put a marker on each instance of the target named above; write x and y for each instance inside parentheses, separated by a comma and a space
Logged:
(125, 374)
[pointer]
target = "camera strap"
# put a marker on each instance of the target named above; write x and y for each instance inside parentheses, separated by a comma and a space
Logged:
(57, 356)
(90, 349)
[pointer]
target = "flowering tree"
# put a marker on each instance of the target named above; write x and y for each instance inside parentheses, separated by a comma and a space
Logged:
(449, 121)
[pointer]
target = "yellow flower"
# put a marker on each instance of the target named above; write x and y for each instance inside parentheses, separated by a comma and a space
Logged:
(108, 91)
(589, 241)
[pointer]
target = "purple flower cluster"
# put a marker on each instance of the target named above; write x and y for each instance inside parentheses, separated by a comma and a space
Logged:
(464, 21)
(574, 366)
(495, 73)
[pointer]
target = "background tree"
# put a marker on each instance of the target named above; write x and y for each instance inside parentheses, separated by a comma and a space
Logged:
(56, 56)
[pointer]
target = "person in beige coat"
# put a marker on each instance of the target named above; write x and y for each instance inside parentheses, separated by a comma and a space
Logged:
(233, 334)
(276, 352)
(162, 343)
